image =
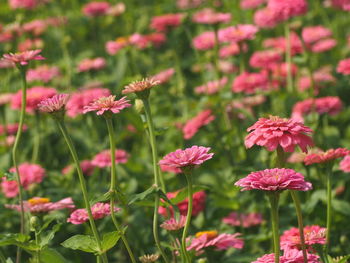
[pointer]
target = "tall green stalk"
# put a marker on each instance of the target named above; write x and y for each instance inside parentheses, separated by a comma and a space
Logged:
(329, 210)
(157, 178)
(189, 215)
(112, 189)
(36, 144)
(288, 58)
(274, 198)
(73, 152)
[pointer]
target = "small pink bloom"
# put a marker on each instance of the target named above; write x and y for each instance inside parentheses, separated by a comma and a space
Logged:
(290, 256)
(327, 156)
(275, 131)
(265, 59)
(286, 9)
(106, 104)
(86, 166)
(94, 9)
(103, 159)
(193, 125)
(213, 239)
(189, 157)
(344, 67)
(265, 18)
(209, 16)
(53, 104)
(43, 73)
(238, 33)
(249, 83)
(173, 225)
(23, 58)
(112, 47)
(313, 235)
(251, 4)
(92, 64)
(313, 34)
(36, 27)
(11, 129)
(245, 220)
(281, 44)
(229, 50)
(140, 86)
(276, 179)
(324, 45)
(345, 164)
(163, 22)
(164, 76)
(29, 44)
(204, 41)
(157, 39)
(43, 205)
(211, 87)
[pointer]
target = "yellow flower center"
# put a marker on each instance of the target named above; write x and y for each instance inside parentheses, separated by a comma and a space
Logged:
(210, 234)
(38, 201)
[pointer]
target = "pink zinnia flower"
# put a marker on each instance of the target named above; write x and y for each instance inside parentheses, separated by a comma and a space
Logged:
(53, 104)
(43, 205)
(43, 73)
(213, 239)
(28, 44)
(276, 179)
(345, 164)
(250, 82)
(290, 256)
(321, 76)
(94, 9)
(209, 16)
(103, 159)
(265, 18)
(286, 9)
(251, 4)
(86, 166)
(265, 59)
(230, 50)
(281, 44)
(344, 66)
(11, 128)
(112, 47)
(107, 104)
(189, 157)
(237, 33)
(34, 96)
(164, 76)
(23, 58)
(312, 34)
(163, 22)
(324, 45)
(211, 87)
(204, 41)
(245, 220)
(91, 64)
(140, 86)
(327, 156)
(275, 131)
(193, 125)
(25, 4)
(313, 235)
(172, 224)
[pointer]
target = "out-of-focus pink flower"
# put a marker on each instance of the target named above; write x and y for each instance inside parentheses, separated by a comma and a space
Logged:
(344, 165)
(53, 104)
(34, 96)
(265, 18)
(36, 27)
(251, 4)
(193, 125)
(229, 50)
(139, 86)
(324, 45)
(275, 131)
(281, 44)
(211, 87)
(321, 77)
(189, 157)
(99, 210)
(11, 129)
(209, 16)
(173, 225)
(198, 204)
(290, 256)
(107, 104)
(237, 33)
(163, 22)
(112, 47)
(117, 9)
(91, 64)
(25, 4)
(138, 40)
(80, 99)
(103, 159)
(280, 71)
(23, 58)
(250, 82)
(29, 173)
(312, 34)
(286, 9)
(185, 4)
(327, 156)
(313, 235)
(218, 241)
(245, 220)
(94, 9)
(42, 73)
(164, 76)
(28, 44)
(246, 103)
(276, 179)
(5, 98)
(341, 4)
(204, 41)
(86, 166)
(344, 66)
(157, 39)
(43, 205)
(265, 59)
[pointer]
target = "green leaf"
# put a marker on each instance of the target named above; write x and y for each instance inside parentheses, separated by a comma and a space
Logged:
(82, 242)
(19, 240)
(50, 235)
(144, 195)
(10, 176)
(341, 207)
(50, 255)
(109, 240)
(9, 260)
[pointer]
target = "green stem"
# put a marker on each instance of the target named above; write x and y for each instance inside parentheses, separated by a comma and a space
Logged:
(288, 58)
(37, 254)
(36, 145)
(241, 58)
(329, 210)
(157, 178)
(274, 197)
(15, 156)
(281, 159)
(73, 152)
(300, 223)
(113, 187)
(216, 52)
(188, 217)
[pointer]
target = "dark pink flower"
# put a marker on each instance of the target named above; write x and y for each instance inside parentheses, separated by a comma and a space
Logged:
(276, 179)
(213, 239)
(94, 9)
(313, 235)
(103, 159)
(344, 66)
(163, 22)
(53, 104)
(323, 157)
(23, 58)
(43, 205)
(286, 9)
(193, 125)
(245, 220)
(204, 41)
(229, 50)
(281, 44)
(106, 104)
(290, 256)
(86, 166)
(11, 129)
(250, 82)
(275, 131)
(209, 16)
(238, 33)
(25, 4)
(321, 77)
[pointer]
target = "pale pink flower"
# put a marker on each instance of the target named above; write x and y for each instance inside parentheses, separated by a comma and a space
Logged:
(276, 179)
(86, 166)
(112, 47)
(286, 9)
(237, 33)
(251, 4)
(275, 131)
(107, 104)
(265, 59)
(265, 18)
(198, 204)
(43, 205)
(312, 34)
(313, 235)
(139, 86)
(344, 66)
(53, 104)
(80, 99)
(193, 125)
(34, 96)
(164, 76)
(189, 157)
(91, 64)
(103, 159)
(23, 58)
(213, 239)
(211, 87)
(43, 73)
(172, 224)
(204, 41)
(94, 9)
(138, 40)
(327, 156)
(323, 45)
(229, 50)
(249, 83)
(163, 22)
(244, 220)
(344, 165)
(209, 16)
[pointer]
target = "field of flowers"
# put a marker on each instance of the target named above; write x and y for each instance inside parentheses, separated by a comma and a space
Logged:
(180, 131)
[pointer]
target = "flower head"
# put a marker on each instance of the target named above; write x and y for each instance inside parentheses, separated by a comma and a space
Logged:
(172, 224)
(327, 156)
(163, 22)
(164, 76)
(214, 239)
(209, 16)
(139, 86)
(43, 73)
(193, 125)
(53, 104)
(276, 179)
(105, 104)
(290, 256)
(103, 159)
(313, 235)
(149, 258)
(91, 64)
(237, 33)
(345, 164)
(245, 220)
(250, 82)
(94, 9)
(286, 9)
(204, 41)
(43, 205)
(275, 131)
(23, 58)
(344, 66)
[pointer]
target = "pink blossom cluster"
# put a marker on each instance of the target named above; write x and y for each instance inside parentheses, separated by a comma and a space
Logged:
(11, 128)
(101, 8)
(193, 125)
